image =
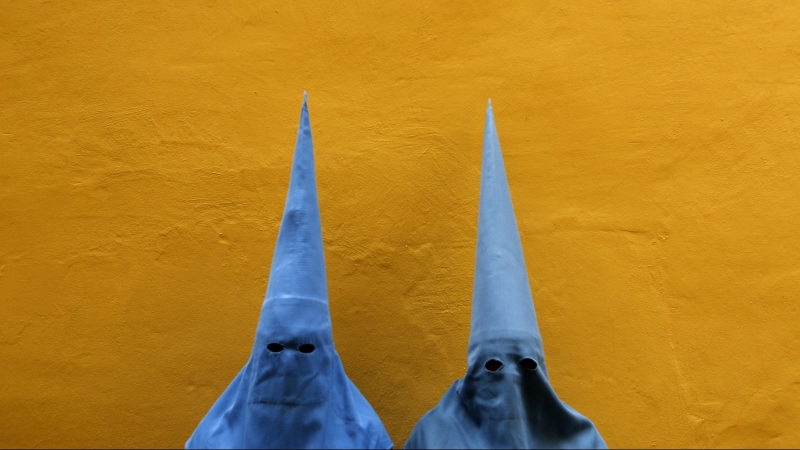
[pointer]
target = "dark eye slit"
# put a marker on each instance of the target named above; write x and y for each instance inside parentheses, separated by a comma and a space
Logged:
(306, 348)
(529, 364)
(493, 365)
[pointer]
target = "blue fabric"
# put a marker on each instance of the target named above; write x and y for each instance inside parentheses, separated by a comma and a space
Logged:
(293, 398)
(513, 406)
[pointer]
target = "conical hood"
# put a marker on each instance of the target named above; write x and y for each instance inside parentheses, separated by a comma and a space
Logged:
(502, 305)
(298, 264)
(293, 391)
(505, 399)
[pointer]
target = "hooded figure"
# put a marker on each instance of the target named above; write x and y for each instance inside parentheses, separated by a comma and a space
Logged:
(293, 392)
(505, 400)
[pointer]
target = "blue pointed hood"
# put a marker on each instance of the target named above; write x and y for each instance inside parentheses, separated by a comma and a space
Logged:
(293, 391)
(502, 304)
(297, 290)
(505, 399)
(298, 264)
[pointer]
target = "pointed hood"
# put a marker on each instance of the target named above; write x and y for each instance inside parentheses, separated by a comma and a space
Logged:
(502, 304)
(505, 399)
(298, 264)
(293, 391)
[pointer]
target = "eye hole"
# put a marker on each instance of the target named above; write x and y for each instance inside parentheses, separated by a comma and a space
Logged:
(306, 348)
(275, 347)
(528, 364)
(493, 365)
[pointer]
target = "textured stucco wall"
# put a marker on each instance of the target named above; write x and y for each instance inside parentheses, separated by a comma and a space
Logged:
(652, 154)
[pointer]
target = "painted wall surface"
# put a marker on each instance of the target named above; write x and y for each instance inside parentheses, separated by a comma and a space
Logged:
(652, 154)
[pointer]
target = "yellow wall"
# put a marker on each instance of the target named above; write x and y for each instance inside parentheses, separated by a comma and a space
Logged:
(652, 154)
